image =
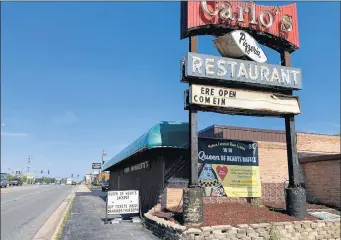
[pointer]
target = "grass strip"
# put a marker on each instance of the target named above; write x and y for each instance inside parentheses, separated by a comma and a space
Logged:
(65, 218)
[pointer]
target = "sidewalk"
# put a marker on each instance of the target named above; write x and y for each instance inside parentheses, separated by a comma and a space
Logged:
(85, 221)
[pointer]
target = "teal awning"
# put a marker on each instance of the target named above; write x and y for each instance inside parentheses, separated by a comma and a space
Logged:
(164, 134)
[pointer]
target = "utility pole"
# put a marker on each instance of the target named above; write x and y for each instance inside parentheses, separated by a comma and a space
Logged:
(28, 163)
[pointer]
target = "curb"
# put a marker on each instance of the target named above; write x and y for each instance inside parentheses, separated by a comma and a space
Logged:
(59, 215)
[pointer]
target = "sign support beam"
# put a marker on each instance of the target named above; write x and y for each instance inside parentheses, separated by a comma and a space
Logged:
(193, 214)
(193, 129)
(295, 195)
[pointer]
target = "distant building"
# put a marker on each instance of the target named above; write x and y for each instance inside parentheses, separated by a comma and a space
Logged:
(89, 178)
(103, 176)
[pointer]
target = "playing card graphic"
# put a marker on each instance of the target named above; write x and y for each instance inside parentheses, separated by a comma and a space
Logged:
(207, 172)
(222, 171)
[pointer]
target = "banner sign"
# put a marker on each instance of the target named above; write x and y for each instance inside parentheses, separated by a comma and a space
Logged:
(96, 165)
(123, 202)
(232, 101)
(274, 26)
(225, 70)
(229, 168)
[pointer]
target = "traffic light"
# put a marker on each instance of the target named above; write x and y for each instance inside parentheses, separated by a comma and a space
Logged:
(71, 175)
(41, 171)
(78, 175)
(48, 171)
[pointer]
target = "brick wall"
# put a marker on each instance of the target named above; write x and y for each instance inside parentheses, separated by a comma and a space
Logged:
(273, 161)
(318, 143)
(171, 198)
(273, 164)
(322, 181)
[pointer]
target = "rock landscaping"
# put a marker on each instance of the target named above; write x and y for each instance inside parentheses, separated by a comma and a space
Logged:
(244, 222)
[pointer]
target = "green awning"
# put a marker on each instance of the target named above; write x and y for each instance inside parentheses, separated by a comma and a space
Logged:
(164, 134)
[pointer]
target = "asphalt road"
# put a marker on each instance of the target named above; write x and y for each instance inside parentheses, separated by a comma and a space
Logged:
(25, 209)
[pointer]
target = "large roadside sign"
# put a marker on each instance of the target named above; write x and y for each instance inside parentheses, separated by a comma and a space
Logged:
(96, 165)
(123, 202)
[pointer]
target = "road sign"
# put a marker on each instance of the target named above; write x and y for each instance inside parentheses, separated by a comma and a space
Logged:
(96, 165)
(123, 202)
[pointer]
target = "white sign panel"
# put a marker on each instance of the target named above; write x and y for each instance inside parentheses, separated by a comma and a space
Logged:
(238, 99)
(123, 202)
(239, 43)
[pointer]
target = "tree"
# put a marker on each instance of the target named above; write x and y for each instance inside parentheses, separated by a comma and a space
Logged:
(24, 179)
(9, 176)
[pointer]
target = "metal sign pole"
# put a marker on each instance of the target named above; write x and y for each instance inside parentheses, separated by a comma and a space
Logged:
(106, 210)
(140, 212)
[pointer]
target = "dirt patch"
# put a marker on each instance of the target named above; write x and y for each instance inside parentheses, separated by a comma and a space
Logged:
(241, 213)
(236, 213)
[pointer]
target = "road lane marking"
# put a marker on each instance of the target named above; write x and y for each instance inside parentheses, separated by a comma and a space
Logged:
(18, 199)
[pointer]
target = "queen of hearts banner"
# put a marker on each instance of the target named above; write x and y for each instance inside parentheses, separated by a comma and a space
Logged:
(229, 168)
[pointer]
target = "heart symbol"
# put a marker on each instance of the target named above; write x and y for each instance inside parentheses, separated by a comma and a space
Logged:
(222, 171)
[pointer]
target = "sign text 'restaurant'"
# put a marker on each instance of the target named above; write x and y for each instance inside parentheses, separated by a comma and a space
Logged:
(247, 72)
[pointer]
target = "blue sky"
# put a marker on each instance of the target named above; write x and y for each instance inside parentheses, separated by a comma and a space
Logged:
(81, 77)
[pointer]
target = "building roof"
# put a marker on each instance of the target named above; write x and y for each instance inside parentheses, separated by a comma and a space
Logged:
(260, 130)
(164, 134)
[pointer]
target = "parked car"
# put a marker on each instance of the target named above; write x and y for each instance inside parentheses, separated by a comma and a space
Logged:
(3, 180)
(15, 182)
(3, 183)
(105, 186)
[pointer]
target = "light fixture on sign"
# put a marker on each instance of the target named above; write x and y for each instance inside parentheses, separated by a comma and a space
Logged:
(239, 44)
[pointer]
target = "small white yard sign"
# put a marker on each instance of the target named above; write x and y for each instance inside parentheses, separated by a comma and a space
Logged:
(123, 202)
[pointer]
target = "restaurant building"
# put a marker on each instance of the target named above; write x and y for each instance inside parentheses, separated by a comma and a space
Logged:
(157, 163)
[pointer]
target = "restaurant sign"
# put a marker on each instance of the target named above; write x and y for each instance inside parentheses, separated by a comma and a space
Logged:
(274, 26)
(96, 165)
(233, 101)
(205, 67)
(229, 168)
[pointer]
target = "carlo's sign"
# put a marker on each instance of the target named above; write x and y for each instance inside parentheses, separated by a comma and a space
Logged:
(239, 44)
(273, 26)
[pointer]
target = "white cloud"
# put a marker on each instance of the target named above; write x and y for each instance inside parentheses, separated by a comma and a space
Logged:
(67, 118)
(14, 134)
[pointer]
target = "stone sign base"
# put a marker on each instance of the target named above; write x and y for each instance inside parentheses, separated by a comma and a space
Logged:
(296, 230)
